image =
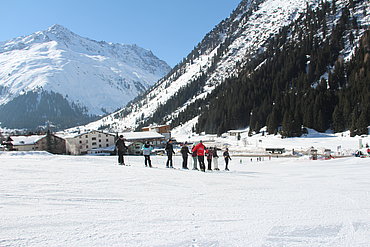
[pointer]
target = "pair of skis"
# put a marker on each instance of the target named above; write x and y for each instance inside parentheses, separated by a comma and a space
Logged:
(124, 164)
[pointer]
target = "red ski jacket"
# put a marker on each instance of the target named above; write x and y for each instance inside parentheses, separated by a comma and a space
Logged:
(199, 148)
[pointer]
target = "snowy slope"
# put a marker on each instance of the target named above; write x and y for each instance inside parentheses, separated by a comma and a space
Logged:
(252, 31)
(99, 76)
(90, 201)
(243, 34)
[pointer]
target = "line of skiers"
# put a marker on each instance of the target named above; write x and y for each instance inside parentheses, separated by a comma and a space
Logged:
(198, 152)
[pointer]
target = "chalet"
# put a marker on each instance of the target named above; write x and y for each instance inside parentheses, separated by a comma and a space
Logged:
(137, 139)
(83, 143)
(23, 143)
(275, 150)
(49, 142)
(236, 133)
(164, 130)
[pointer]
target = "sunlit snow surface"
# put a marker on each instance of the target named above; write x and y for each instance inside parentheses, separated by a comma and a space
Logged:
(51, 200)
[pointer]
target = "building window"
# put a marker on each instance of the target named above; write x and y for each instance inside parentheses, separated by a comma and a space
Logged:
(99, 135)
(94, 138)
(87, 146)
(100, 145)
(107, 145)
(86, 136)
(99, 140)
(107, 140)
(94, 143)
(80, 142)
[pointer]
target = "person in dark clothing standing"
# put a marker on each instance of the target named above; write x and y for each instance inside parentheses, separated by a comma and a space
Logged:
(199, 148)
(121, 149)
(209, 154)
(170, 152)
(184, 152)
(227, 158)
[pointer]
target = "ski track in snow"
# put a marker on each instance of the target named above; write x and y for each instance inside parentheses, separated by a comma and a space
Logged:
(90, 201)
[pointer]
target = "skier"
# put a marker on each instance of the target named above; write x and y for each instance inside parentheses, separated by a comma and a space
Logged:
(185, 151)
(227, 158)
(209, 154)
(121, 148)
(147, 149)
(170, 152)
(194, 156)
(199, 148)
(215, 159)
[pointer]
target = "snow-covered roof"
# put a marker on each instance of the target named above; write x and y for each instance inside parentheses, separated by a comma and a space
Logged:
(130, 136)
(237, 131)
(26, 140)
(156, 126)
(66, 135)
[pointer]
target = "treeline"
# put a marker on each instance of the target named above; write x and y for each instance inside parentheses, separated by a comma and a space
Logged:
(35, 109)
(289, 91)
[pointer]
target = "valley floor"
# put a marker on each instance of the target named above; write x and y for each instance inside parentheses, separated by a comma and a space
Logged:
(49, 200)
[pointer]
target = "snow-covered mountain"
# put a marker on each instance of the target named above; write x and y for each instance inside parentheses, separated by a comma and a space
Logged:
(94, 77)
(228, 48)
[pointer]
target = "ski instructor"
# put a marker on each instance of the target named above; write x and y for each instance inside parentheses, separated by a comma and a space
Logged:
(121, 148)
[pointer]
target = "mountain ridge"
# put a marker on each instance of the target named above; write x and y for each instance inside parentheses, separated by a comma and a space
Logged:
(216, 60)
(95, 75)
(228, 44)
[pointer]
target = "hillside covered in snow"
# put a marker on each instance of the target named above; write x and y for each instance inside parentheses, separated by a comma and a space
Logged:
(58, 76)
(266, 52)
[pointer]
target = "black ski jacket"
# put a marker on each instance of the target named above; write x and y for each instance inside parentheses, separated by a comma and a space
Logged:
(169, 149)
(120, 145)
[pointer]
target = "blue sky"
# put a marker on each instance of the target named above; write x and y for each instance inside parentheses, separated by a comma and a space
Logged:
(169, 28)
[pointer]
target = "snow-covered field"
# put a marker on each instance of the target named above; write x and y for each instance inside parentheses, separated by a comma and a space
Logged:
(341, 144)
(49, 200)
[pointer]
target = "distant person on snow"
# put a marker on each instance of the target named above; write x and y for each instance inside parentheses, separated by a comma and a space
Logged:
(194, 156)
(184, 152)
(121, 149)
(209, 155)
(227, 158)
(147, 149)
(199, 148)
(170, 152)
(215, 159)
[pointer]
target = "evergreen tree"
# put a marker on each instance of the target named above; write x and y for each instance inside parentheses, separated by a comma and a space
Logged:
(338, 120)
